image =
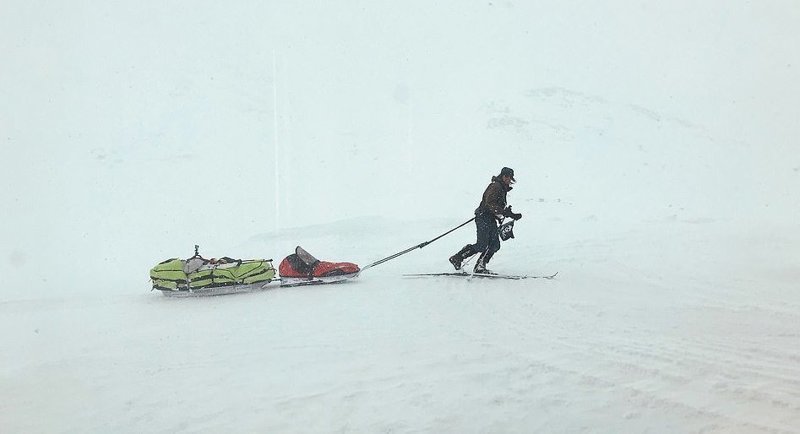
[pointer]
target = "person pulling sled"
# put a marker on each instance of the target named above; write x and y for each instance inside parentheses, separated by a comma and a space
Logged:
(491, 212)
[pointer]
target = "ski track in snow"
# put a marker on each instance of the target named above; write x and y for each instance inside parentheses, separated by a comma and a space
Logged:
(614, 342)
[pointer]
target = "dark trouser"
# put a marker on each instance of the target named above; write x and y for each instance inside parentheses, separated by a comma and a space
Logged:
(488, 239)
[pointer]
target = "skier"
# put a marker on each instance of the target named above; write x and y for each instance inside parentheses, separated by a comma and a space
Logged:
(491, 210)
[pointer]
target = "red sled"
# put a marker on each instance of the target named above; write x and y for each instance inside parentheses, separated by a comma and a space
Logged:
(301, 268)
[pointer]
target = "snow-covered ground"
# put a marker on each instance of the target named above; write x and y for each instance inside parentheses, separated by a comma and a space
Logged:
(631, 337)
(655, 147)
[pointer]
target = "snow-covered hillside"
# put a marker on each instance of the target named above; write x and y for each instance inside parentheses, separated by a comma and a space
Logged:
(655, 147)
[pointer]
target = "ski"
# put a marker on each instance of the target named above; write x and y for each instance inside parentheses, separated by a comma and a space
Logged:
(484, 276)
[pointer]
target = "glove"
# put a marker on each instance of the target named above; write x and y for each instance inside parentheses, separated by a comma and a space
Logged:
(508, 213)
(499, 217)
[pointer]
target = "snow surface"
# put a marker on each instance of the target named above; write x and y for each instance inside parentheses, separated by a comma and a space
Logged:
(656, 151)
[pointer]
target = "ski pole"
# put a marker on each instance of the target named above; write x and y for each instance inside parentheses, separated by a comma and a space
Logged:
(418, 246)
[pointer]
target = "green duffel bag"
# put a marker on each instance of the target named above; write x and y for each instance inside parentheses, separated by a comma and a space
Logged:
(169, 275)
(256, 272)
(244, 272)
(232, 272)
(202, 278)
(199, 273)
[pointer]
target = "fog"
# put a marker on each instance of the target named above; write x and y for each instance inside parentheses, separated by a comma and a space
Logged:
(655, 151)
(131, 132)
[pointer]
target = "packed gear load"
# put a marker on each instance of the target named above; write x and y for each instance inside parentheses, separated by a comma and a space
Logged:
(200, 276)
(302, 268)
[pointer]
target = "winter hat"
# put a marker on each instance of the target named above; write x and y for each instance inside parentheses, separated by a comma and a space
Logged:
(507, 171)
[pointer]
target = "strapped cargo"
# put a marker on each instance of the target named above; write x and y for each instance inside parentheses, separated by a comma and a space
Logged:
(200, 276)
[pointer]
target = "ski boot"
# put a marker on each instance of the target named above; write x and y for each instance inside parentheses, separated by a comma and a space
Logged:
(480, 266)
(459, 257)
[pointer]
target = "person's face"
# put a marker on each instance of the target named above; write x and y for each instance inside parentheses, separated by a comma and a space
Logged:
(507, 180)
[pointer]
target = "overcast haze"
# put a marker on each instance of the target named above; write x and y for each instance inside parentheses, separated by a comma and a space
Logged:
(655, 146)
(139, 129)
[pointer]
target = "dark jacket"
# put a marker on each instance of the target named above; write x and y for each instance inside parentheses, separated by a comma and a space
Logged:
(494, 198)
